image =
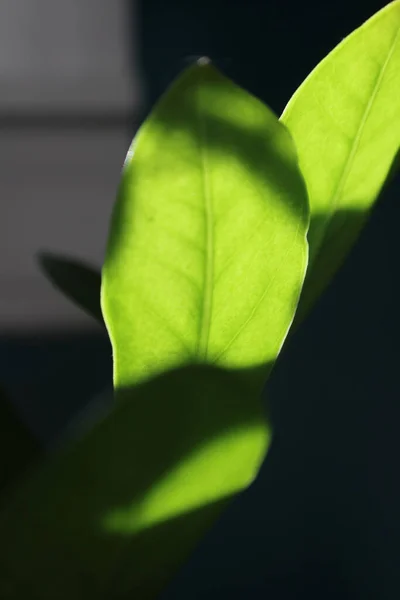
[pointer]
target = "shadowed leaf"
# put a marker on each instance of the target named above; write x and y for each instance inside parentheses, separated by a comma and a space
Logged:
(116, 514)
(77, 280)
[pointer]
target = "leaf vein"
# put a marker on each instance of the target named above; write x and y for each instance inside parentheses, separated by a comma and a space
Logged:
(207, 303)
(357, 139)
(258, 303)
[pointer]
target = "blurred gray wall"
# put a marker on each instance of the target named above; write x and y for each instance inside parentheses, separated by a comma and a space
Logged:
(67, 89)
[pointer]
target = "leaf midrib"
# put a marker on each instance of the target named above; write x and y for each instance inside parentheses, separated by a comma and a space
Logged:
(207, 304)
(258, 303)
(356, 142)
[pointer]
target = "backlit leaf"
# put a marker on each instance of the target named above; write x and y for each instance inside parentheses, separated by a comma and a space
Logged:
(207, 250)
(345, 121)
(205, 262)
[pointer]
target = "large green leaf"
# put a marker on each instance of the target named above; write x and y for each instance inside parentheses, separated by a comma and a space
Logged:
(207, 249)
(115, 515)
(77, 280)
(345, 121)
(205, 262)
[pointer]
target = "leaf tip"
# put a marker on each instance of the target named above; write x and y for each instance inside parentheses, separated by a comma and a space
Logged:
(203, 61)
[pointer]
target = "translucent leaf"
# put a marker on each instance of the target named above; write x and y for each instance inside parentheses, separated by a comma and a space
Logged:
(205, 262)
(345, 121)
(207, 250)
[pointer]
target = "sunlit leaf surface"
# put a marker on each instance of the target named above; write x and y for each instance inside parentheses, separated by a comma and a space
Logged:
(205, 263)
(207, 249)
(345, 121)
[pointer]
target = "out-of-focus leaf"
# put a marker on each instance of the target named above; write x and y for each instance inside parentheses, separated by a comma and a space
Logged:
(207, 250)
(116, 514)
(77, 280)
(345, 121)
(18, 448)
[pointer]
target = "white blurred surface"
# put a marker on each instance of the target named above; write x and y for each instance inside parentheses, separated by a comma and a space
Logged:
(58, 55)
(58, 183)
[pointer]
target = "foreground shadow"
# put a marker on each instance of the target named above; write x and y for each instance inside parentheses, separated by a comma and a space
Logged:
(120, 510)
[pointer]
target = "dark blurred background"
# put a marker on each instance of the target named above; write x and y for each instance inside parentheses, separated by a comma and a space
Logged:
(76, 78)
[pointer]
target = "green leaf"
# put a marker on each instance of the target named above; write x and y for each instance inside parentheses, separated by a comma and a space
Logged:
(207, 249)
(18, 448)
(345, 121)
(77, 280)
(116, 514)
(205, 262)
